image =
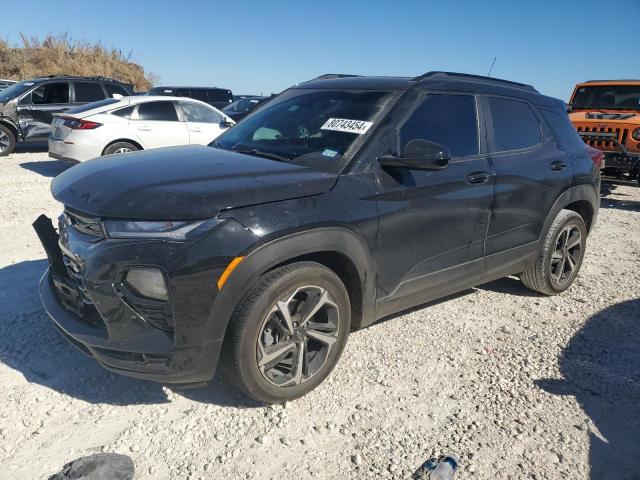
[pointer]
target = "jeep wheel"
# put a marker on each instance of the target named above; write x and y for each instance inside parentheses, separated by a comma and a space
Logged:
(120, 147)
(7, 141)
(288, 333)
(561, 257)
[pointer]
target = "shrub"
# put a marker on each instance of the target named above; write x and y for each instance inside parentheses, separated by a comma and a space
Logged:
(60, 55)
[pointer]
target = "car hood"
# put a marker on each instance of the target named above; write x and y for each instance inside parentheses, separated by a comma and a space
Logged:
(603, 115)
(182, 183)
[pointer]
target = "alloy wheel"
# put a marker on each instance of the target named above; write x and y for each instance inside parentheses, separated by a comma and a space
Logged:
(122, 150)
(297, 335)
(566, 256)
(4, 141)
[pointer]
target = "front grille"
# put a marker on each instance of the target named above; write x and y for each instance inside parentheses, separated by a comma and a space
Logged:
(75, 273)
(620, 134)
(84, 224)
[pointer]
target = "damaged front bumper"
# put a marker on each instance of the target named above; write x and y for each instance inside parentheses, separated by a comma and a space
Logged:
(83, 293)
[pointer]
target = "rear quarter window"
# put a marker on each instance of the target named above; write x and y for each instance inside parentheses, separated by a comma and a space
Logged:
(563, 130)
(124, 112)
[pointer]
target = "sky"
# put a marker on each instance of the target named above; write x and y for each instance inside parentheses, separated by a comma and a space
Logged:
(265, 47)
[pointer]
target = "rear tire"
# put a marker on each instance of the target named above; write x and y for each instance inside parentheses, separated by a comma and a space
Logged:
(7, 141)
(120, 147)
(561, 256)
(288, 332)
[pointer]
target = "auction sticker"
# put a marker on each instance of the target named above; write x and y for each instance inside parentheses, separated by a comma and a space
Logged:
(345, 125)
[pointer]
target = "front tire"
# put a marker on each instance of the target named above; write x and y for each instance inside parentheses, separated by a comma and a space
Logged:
(120, 147)
(7, 141)
(561, 256)
(288, 332)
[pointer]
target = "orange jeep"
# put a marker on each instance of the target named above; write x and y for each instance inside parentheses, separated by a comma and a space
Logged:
(607, 116)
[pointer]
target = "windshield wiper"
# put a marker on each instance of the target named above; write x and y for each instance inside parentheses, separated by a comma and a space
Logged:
(261, 153)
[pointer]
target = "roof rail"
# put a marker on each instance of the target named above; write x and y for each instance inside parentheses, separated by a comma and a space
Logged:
(84, 77)
(328, 76)
(467, 76)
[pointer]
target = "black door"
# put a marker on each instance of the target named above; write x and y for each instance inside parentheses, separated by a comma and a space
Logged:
(36, 109)
(433, 223)
(531, 172)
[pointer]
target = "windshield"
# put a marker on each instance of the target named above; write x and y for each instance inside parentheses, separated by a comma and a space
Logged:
(15, 90)
(316, 128)
(608, 97)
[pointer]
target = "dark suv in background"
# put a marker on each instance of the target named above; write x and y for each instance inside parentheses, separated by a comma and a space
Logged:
(341, 201)
(216, 97)
(27, 107)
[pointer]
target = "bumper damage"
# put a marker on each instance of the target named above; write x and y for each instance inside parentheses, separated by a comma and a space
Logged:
(83, 293)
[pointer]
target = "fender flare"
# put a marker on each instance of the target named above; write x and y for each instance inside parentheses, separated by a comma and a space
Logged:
(266, 256)
(586, 192)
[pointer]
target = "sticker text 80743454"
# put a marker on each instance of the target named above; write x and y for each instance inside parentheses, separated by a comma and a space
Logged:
(345, 125)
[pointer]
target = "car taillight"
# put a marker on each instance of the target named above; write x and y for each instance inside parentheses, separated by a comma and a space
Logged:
(77, 124)
(596, 156)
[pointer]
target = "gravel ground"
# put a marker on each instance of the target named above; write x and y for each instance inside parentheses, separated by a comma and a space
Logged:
(517, 385)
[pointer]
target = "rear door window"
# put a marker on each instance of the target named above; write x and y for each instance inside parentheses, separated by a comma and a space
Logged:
(448, 120)
(51, 94)
(88, 92)
(514, 125)
(158, 111)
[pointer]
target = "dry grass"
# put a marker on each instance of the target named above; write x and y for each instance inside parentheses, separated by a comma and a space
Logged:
(60, 55)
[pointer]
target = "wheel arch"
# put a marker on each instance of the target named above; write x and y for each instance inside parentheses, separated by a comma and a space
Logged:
(582, 199)
(128, 140)
(339, 249)
(7, 122)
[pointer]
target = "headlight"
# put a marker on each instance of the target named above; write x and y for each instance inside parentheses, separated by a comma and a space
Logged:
(636, 134)
(171, 230)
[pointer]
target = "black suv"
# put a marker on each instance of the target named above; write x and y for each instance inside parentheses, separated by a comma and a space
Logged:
(27, 107)
(216, 97)
(343, 200)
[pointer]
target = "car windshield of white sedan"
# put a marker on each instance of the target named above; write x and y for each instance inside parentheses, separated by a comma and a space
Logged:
(317, 128)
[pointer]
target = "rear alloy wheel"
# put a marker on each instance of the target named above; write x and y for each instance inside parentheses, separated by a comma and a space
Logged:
(288, 333)
(120, 147)
(561, 255)
(7, 141)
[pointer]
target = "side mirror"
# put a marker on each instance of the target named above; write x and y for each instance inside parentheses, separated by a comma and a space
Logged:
(227, 123)
(569, 107)
(420, 154)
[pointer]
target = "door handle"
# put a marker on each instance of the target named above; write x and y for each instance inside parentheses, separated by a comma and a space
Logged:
(558, 166)
(195, 130)
(478, 177)
(144, 128)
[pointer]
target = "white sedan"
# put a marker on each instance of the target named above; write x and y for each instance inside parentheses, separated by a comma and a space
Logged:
(120, 125)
